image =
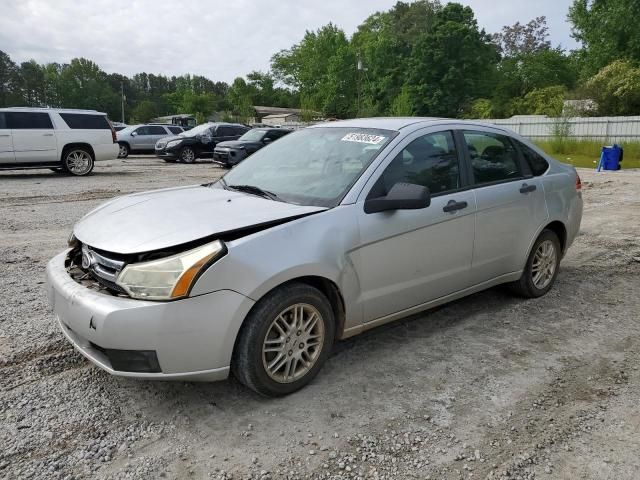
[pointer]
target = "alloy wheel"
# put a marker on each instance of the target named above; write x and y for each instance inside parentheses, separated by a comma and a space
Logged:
(544, 264)
(187, 155)
(293, 343)
(79, 162)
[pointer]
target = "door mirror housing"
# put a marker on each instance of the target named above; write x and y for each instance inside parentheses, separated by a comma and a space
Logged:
(266, 140)
(402, 196)
(134, 134)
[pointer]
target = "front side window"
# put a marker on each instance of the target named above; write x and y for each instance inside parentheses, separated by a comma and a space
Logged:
(536, 162)
(430, 161)
(254, 135)
(3, 123)
(493, 157)
(224, 132)
(28, 120)
(143, 131)
(314, 166)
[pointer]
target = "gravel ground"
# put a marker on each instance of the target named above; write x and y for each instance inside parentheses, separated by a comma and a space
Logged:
(487, 387)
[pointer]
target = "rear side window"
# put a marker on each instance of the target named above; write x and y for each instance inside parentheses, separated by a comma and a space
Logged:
(28, 120)
(536, 162)
(79, 121)
(156, 131)
(175, 130)
(493, 157)
(241, 130)
(3, 123)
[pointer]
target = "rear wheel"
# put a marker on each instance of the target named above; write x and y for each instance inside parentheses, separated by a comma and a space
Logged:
(542, 267)
(78, 161)
(285, 340)
(187, 155)
(123, 151)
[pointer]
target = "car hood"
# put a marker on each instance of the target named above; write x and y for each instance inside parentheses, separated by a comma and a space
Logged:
(171, 137)
(148, 221)
(236, 144)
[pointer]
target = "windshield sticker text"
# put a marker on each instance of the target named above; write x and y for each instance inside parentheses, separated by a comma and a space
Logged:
(363, 138)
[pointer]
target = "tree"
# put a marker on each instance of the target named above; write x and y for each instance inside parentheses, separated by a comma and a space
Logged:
(519, 39)
(450, 65)
(616, 89)
(9, 94)
(144, 111)
(402, 105)
(481, 108)
(607, 29)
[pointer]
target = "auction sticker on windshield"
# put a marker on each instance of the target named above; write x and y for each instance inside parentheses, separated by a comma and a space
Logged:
(363, 138)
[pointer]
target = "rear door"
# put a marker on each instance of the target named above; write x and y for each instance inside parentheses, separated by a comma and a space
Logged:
(33, 137)
(157, 132)
(511, 204)
(7, 154)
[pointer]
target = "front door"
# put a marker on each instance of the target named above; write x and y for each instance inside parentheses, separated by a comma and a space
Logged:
(409, 257)
(6, 142)
(33, 137)
(142, 140)
(511, 205)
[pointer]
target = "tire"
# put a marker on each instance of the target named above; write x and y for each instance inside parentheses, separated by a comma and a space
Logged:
(78, 161)
(124, 150)
(187, 155)
(542, 267)
(270, 321)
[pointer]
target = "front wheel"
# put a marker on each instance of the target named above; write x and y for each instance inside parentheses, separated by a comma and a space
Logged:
(78, 161)
(285, 340)
(542, 267)
(187, 155)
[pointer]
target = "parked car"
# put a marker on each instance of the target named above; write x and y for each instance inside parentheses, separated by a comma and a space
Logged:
(117, 126)
(142, 138)
(66, 141)
(233, 152)
(331, 231)
(198, 142)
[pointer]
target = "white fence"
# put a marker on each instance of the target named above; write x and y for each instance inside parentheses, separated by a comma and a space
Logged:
(603, 129)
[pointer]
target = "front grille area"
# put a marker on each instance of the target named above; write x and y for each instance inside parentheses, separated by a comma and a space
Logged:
(96, 270)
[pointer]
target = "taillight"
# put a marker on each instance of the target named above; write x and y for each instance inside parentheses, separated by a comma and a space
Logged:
(578, 182)
(113, 132)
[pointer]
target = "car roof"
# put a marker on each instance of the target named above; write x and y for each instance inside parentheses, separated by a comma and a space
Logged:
(400, 123)
(55, 110)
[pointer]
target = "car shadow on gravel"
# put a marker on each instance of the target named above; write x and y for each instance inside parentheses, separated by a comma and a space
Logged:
(38, 175)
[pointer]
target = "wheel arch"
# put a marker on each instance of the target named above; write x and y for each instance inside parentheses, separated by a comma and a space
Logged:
(72, 145)
(560, 230)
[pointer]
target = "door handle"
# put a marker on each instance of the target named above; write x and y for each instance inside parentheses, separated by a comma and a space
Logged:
(3, 135)
(527, 188)
(47, 134)
(453, 206)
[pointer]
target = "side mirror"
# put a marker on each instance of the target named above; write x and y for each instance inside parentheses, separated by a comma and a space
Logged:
(266, 140)
(402, 196)
(133, 134)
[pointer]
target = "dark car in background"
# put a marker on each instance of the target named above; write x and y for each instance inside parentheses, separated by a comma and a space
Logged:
(233, 152)
(198, 142)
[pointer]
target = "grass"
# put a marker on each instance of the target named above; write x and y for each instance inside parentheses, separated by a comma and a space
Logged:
(586, 153)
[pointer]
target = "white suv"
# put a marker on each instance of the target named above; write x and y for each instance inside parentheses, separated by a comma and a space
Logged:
(63, 140)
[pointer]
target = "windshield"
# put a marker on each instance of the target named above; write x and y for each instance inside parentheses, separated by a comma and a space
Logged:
(199, 130)
(315, 166)
(253, 135)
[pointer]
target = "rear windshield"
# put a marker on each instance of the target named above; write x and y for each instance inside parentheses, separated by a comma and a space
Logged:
(84, 121)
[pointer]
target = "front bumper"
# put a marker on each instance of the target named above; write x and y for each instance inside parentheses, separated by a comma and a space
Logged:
(228, 157)
(167, 154)
(192, 338)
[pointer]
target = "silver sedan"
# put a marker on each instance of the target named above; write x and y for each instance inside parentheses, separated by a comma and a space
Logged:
(322, 235)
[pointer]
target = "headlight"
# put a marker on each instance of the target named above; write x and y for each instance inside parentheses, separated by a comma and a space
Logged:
(171, 277)
(173, 143)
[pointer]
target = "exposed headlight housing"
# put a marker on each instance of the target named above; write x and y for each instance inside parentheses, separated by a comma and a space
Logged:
(171, 277)
(72, 241)
(173, 143)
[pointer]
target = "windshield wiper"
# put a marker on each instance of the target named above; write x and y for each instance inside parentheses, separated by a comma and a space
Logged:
(252, 189)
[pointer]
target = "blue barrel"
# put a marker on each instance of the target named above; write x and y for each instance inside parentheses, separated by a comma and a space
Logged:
(611, 157)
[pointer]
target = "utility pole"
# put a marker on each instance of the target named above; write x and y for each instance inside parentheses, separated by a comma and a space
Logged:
(123, 98)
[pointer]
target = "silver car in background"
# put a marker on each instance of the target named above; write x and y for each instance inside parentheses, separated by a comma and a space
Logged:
(321, 235)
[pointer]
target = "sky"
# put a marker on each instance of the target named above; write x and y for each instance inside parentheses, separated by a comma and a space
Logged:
(218, 39)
